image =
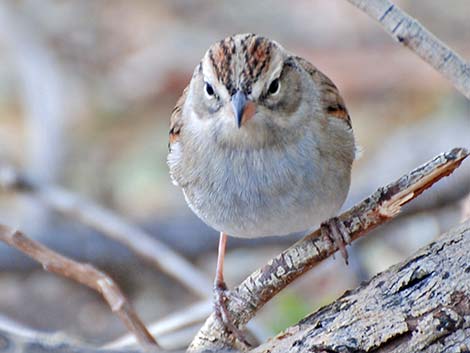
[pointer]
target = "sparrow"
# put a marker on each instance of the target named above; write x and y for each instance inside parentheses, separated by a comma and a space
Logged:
(261, 144)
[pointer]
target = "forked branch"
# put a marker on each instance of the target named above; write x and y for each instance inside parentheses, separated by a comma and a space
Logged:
(262, 285)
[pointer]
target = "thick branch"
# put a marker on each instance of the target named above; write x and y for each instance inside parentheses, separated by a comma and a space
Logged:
(266, 282)
(410, 33)
(419, 305)
(84, 274)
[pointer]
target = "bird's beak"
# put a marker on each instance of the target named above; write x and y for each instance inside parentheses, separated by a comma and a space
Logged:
(243, 109)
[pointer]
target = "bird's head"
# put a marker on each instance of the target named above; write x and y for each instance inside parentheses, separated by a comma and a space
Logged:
(246, 86)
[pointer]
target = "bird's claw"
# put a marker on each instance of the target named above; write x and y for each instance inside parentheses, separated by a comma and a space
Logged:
(335, 231)
(221, 297)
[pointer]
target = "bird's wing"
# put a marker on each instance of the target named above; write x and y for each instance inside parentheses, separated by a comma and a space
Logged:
(176, 119)
(333, 103)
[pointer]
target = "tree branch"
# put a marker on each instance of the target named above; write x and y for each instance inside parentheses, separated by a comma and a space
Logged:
(190, 315)
(84, 274)
(419, 305)
(262, 285)
(18, 342)
(410, 33)
(114, 227)
(265, 283)
(118, 229)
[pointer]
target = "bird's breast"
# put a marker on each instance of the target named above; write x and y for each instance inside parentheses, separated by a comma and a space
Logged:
(261, 192)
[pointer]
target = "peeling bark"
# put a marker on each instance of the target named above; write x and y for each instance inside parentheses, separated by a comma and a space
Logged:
(262, 285)
(419, 305)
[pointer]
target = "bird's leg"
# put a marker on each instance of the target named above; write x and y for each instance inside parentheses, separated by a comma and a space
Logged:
(336, 232)
(221, 295)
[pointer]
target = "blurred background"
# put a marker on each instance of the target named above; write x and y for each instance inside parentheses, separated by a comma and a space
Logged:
(86, 90)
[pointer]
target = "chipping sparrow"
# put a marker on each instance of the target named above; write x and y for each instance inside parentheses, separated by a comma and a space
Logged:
(261, 144)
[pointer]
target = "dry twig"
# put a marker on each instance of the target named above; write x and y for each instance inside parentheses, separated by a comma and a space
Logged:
(262, 285)
(410, 33)
(84, 274)
(114, 227)
(176, 321)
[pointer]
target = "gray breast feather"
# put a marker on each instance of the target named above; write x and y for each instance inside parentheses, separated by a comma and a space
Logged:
(251, 193)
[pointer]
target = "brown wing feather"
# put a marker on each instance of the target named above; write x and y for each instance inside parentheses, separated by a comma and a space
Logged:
(176, 119)
(333, 102)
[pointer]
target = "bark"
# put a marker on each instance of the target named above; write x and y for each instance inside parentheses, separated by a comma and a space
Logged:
(262, 285)
(420, 305)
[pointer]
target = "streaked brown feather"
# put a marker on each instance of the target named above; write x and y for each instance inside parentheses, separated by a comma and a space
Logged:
(257, 52)
(333, 103)
(176, 119)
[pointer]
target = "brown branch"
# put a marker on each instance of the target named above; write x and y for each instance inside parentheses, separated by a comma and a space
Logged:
(262, 285)
(84, 274)
(410, 33)
(114, 227)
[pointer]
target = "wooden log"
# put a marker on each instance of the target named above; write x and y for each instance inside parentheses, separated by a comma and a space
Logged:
(419, 305)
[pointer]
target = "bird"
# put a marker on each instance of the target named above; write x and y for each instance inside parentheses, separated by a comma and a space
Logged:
(261, 144)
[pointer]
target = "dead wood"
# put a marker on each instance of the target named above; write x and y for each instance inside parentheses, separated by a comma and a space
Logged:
(262, 285)
(419, 305)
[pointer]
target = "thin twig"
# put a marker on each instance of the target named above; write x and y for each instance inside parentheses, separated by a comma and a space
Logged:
(175, 321)
(84, 274)
(179, 321)
(114, 227)
(262, 285)
(410, 33)
(15, 327)
(414, 306)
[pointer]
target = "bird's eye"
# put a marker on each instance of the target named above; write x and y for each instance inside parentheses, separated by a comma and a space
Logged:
(209, 90)
(274, 87)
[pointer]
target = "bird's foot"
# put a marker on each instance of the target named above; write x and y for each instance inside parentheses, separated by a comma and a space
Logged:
(221, 297)
(335, 230)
